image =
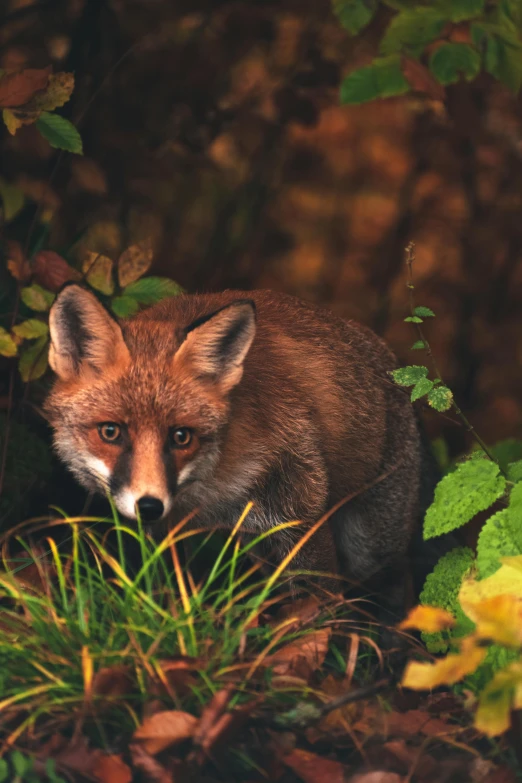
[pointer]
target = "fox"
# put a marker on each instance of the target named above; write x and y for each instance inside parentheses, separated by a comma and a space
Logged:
(206, 402)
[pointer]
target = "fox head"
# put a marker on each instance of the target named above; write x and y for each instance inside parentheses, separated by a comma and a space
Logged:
(139, 410)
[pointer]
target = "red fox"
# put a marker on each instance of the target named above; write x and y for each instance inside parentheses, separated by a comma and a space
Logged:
(214, 400)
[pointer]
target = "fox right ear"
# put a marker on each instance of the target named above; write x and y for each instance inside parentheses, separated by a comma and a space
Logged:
(83, 335)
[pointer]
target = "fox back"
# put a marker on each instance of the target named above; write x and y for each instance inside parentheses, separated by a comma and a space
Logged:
(210, 401)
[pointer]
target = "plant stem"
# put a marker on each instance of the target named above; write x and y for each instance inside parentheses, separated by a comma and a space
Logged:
(410, 259)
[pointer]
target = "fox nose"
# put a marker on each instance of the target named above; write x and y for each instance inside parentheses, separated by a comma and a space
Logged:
(150, 508)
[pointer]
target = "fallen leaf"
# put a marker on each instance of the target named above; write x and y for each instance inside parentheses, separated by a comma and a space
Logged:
(134, 262)
(312, 768)
(302, 656)
(378, 776)
(415, 722)
(428, 618)
(165, 728)
(113, 681)
(151, 770)
(98, 272)
(112, 769)
(212, 712)
(446, 671)
(17, 88)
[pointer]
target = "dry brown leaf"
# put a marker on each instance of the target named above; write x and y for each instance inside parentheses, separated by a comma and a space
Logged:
(112, 769)
(113, 681)
(303, 656)
(165, 728)
(52, 271)
(212, 712)
(416, 722)
(312, 768)
(378, 776)
(89, 176)
(134, 262)
(17, 263)
(421, 79)
(17, 88)
(151, 770)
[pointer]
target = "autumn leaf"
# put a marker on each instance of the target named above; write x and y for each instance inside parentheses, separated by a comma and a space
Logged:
(165, 728)
(56, 94)
(302, 656)
(52, 271)
(37, 298)
(429, 619)
(495, 603)
(446, 671)
(17, 88)
(33, 359)
(17, 263)
(420, 79)
(111, 769)
(112, 682)
(134, 262)
(311, 768)
(31, 329)
(97, 269)
(500, 696)
(7, 344)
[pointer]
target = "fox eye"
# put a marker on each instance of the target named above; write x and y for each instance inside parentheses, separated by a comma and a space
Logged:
(180, 437)
(109, 431)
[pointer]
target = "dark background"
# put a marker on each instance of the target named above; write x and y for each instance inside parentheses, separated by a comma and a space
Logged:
(215, 128)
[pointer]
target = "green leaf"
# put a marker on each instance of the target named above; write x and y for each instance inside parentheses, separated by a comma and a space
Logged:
(124, 306)
(59, 132)
(409, 376)
(472, 487)
(149, 290)
(382, 79)
(501, 535)
(421, 388)
(413, 319)
(440, 398)
(515, 471)
(507, 451)
(411, 30)
(37, 298)
(441, 588)
(21, 764)
(503, 52)
(452, 60)
(4, 770)
(460, 10)
(12, 198)
(33, 360)
(7, 344)
(424, 312)
(31, 328)
(354, 15)
(418, 345)
(512, 9)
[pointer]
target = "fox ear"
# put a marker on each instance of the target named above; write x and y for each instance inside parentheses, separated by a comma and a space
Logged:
(217, 344)
(83, 335)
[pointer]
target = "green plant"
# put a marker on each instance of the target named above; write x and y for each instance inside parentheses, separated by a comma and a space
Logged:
(429, 45)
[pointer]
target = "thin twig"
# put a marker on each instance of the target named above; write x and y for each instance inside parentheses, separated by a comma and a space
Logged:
(410, 259)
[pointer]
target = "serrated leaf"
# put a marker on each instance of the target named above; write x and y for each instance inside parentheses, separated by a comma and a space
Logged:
(515, 471)
(37, 298)
(134, 262)
(413, 319)
(13, 200)
(56, 94)
(501, 535)
(382, 79)
(472, 487)
(424, 312)
(124, 306)
(97, 269)
(354, 15)
(59, 132)
(411, 30)
(33, 359)
(31, 328)
(409, 376)
(451, 61)
(440, 398)
(418, 345)
(149, 290)
(7, 344)
(421, 388)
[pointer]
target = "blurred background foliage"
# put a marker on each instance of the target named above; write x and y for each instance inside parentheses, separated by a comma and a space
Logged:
(216, 129)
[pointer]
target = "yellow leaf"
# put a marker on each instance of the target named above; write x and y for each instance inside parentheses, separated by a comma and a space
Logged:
(98, 272)
(499, 697)
(495, 603)
(11, 122)
(57, 93)
(429, 619)
(134, 262)
(446, 671)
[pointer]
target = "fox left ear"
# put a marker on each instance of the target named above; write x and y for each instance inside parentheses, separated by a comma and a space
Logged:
(216, 345)
(83, 335)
